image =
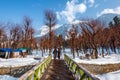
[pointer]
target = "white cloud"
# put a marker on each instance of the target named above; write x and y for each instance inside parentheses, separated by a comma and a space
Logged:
(108, 10)
(72, 8)
(91, 2)
(97, 5)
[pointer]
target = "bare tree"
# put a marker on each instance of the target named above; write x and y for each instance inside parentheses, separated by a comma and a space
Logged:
(27, 31)
(16, 34)
(91, 33)
(72, 36)
(50, 21)
(3, 36)
(104, 39)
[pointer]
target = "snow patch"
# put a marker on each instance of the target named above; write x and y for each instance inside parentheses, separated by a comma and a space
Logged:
(7, 77)
(15, 62)
(110, 76)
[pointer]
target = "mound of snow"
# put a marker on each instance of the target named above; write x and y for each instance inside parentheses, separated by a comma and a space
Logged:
(110, 76)
(15, 62)
(109, 59)
(7, 77)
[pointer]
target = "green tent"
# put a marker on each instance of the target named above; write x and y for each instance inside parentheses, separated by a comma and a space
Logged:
(27, 49)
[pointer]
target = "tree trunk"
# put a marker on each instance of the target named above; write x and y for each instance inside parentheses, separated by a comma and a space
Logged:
(73, 53)
(102, 52)
(96, 53)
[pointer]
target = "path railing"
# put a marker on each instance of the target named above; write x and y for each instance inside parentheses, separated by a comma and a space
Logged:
(36, 72)
(78, 71)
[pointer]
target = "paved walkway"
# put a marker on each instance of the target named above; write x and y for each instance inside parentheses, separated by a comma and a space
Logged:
(58, 71)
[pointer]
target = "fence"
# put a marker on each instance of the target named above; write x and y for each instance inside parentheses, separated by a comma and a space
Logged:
(36, 72)
(78, 71)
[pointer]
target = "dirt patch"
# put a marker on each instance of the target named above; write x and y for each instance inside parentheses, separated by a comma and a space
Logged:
(100, 69)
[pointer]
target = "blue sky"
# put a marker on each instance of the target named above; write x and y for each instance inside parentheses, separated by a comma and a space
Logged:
(66, 10)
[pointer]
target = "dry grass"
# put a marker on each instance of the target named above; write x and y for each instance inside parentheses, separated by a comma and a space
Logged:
(100, 69)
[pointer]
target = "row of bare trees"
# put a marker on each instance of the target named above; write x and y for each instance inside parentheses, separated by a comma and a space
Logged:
(94, 36)
(50, 41)
(18, 35)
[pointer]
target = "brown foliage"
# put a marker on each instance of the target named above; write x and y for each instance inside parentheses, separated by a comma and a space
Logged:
(50, 21)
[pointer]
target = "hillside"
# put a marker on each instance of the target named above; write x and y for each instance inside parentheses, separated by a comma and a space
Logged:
(63, 28)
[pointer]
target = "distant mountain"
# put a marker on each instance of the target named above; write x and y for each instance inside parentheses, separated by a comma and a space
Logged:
(62, 29)
(58, 29)
(107, 17)
(44, 30)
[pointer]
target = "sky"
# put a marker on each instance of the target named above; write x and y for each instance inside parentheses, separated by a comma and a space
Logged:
(66, 10)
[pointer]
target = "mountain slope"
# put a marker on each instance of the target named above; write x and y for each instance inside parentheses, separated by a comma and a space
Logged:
(62, 29)
(107, 18)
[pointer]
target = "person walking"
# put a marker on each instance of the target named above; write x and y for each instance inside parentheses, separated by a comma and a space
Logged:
(59, 52)
(55, 53)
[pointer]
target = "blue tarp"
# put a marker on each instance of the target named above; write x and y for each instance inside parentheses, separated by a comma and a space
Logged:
(10, 50)
(17, 50)
(6, 49)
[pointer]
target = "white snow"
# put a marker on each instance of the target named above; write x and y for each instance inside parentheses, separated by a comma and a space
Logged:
(28, 60)
(7, 77)
(15, 62)
(110, 76)
(45, 29)
(109, 59)
(38, 53)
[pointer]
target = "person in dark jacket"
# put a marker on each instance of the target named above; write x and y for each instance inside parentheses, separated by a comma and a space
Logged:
(55, 53)
(59, 52)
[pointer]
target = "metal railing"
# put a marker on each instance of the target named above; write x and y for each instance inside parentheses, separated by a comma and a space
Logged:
(78, 71)
(36, 72)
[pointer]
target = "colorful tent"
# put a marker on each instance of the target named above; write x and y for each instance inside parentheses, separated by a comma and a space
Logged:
(26, 49)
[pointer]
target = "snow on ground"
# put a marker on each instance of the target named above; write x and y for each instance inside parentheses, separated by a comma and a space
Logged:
(29, 60)
(109, 59)
(7, 77)
(38, 53)
(110, 76)
(15, 62)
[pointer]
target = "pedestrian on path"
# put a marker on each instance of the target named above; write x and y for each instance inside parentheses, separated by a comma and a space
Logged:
(59, 52)
(55, 53)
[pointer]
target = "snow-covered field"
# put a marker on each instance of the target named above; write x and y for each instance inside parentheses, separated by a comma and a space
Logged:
(28, 60)
(7, 77)
(110, 76)
(109, 59)
(15, 62)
